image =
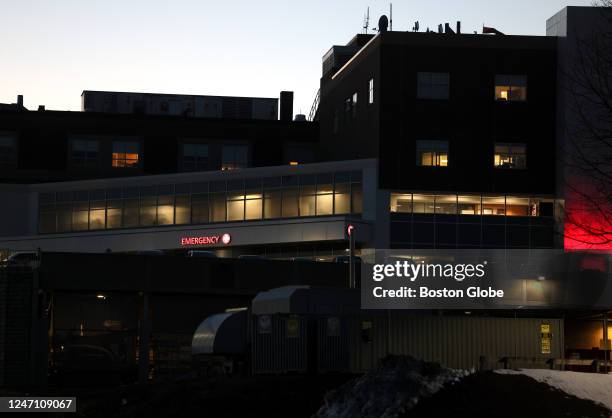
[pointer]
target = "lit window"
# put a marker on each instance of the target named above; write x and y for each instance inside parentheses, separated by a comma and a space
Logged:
(510, 156)
(511, 88)
(371, 91)
(234, 157)
(125, 154)
(195, 157)
(446, 204)
(517, 206)
(423, 203)
(85, 152)
(433, 86)
(493, 205)
(432, 153)
(401, 203)
(354, 105)
(7, 149)
(468, 205)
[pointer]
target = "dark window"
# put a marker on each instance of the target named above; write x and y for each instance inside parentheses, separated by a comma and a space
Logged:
(432, 153)
(7, 148)
(433, 85)
(85, 152)
(195, 157)
(234, 157)
(126, 154)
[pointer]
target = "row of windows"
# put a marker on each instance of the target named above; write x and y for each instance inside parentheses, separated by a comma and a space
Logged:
(436, 86)
(127, 154)
(220, 201)
(471, 205)
(435, 153)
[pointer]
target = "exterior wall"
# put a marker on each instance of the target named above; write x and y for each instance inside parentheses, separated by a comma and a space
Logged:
(355, 137)
(456, 342)
(471, 120)
(23, 233)
(180, 105)
(328, 229)
(44, 142)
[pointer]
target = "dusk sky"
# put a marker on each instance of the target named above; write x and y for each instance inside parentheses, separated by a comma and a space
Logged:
(52, 50)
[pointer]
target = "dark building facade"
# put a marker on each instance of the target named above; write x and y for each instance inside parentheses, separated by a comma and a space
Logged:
(42, 146)
(447, 112)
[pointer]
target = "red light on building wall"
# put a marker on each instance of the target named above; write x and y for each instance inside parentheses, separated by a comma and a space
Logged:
(206, 240)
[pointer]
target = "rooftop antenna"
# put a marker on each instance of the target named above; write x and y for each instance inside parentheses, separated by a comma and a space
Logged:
(391, 17)
(366, 21)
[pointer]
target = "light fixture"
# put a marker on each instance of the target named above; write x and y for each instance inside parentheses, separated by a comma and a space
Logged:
(293, 163)
(100, 296)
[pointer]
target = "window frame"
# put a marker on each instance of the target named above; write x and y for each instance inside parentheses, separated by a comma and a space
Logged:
(422, 87)
(125, 159)
(86, 161)
(437, 154)
(510, 154)
(498, 81)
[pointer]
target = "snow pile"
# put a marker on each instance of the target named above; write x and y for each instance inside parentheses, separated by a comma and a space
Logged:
(596, 387)
(393, 387)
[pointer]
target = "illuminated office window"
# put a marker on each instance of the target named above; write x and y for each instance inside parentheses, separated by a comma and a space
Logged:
(307, 199)
(182, 212)
(113, 213)
(423, 203)
(433, 86)
(512, 156)
(446, 204)
(80, 214)
(468, 205)
(272, 204)
(218, 208)
(130, 212)
(517, 206)
(342, 198)
(401, 203)
(165, 210)
(97, 211)
(235, 207)
(432, 153)
(356, 198)
(126, 154)
(253, 205)
(510, 88)
(148, 210)
(493, 205)
(325, 199)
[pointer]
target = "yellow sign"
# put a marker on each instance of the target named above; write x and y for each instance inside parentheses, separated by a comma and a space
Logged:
(545, 339)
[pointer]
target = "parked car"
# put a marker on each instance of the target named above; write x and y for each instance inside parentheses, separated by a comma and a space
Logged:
(22, 259)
